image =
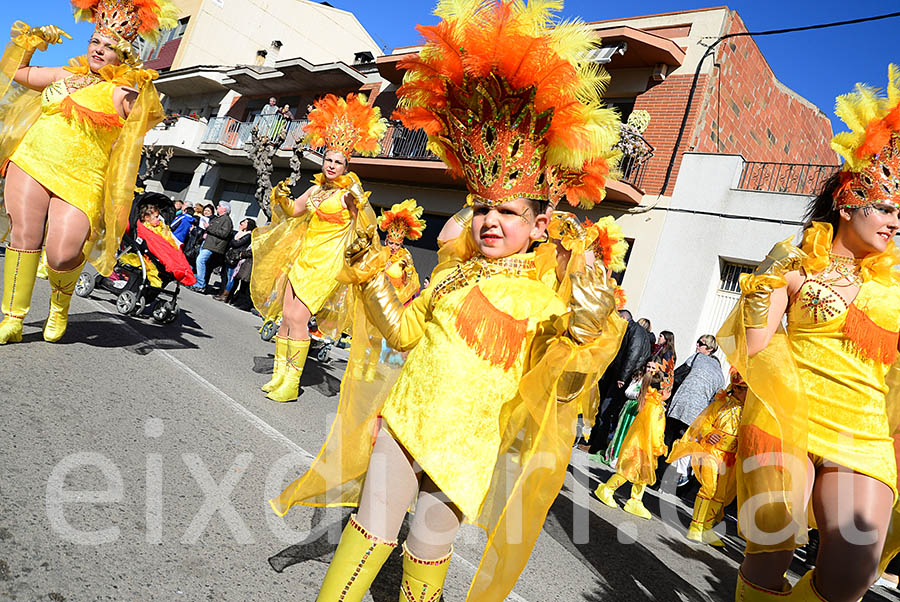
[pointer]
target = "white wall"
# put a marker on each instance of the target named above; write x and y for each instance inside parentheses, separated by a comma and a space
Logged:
(685, 271)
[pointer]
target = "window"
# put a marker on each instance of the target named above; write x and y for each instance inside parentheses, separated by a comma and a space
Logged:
(238, 188)
(176, 181)
(731, 276)
(148, 52)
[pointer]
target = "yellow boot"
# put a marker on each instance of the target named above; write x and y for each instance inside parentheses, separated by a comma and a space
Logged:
(604, 491)
(278, 367)
(62, 285)
(805, 590)
(747, 592)
(357, 560)
(695, 530)
(634, 505)
(294, 360)
(423, 580)
(710, 518)
(19, 270)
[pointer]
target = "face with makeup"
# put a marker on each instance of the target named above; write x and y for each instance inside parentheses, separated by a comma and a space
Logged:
(507, 229)
(102, 52)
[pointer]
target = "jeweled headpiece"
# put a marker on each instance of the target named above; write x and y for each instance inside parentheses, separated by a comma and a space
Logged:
(403, 220)
(871, 149)
(128, 19)
(346, 125)
(608, 243)
(510, 103)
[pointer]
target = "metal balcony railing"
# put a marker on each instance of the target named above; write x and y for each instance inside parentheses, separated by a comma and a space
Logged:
(788, 178)
(234, 134)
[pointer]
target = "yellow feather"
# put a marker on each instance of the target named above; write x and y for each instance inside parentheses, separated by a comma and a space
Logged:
(537, 15)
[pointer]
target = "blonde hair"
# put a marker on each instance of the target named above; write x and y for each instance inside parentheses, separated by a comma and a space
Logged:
(710, 342)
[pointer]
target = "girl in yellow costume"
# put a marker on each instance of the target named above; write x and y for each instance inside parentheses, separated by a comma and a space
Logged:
(816, 426)
(402, 221)
(712, 443)
(642, 445)
(70, 145)
(484, 404)
(296, 261)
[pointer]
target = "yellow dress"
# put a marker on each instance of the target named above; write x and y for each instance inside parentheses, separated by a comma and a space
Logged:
(76, 144)
(644, 442)
(67, 149)
(713, 463)
(308, 252)
(475, 404)
(826, 388)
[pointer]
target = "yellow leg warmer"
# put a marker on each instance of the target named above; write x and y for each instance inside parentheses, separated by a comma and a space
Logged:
(423, 580)
(357, 560)
(294, 360)
(747, 592)
(62, 285)
(19, 271)
(278, 367)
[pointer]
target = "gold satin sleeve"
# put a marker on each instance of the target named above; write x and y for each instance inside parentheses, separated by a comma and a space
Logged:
(401, 326)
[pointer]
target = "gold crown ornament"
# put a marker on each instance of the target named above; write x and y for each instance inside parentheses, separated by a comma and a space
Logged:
(510, 103)
(126, 20)
(346, 125)
(403, 220)
(871, 149)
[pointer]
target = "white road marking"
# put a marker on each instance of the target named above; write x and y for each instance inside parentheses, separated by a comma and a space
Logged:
(266, 428)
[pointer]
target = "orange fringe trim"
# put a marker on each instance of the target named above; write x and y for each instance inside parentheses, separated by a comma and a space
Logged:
(872, 341)
(753, 441)
(104, 120)
(495, 336)
(334, 218)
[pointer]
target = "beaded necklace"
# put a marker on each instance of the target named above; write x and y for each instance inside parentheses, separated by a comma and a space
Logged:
(846, 268)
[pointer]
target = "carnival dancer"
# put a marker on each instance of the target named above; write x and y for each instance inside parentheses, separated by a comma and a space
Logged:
(642, 445)
(70, 145)
(817, 423)
(485, 404)
(711, 443)
(401, 221)
(296, 258)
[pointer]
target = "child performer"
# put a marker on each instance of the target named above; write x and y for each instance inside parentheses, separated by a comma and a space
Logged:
(402, 221)
(642, 445)
(711, 441)
(479, 425)
(296, 261)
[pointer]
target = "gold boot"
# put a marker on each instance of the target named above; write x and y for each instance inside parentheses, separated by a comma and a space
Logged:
(294, 360)
(634, 505)
(62, 285)
(747, 592)
(423, 580)
(19, 271)
(357, 560)
(278, 366)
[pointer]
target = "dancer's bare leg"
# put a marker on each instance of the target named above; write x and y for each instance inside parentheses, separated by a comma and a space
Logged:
(67, 230)
(295, 316)
(28, 204)
(434, 525)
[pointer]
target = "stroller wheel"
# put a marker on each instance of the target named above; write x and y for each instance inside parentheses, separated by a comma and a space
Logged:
(268, 330)
(84, 286)
(139, 307)
(322, 354)
(126, 302)
(164, 312)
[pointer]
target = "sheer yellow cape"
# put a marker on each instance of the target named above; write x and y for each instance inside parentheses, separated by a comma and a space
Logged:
(20, 108)
(532, 460)
(773, 437)
(276, 246)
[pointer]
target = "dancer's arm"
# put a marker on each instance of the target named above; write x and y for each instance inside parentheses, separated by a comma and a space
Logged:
(765, 294)
(281, 197)
(31, 39)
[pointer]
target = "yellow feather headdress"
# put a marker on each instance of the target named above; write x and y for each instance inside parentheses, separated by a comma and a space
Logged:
(346, 125)
(510, 103)
(128, 19)
(403, 220)
(871, 149)
(608, 242)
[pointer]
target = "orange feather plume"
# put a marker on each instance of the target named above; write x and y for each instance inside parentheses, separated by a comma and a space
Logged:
(346, 125)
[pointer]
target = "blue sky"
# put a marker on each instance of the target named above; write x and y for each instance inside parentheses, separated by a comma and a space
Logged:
(818, 65)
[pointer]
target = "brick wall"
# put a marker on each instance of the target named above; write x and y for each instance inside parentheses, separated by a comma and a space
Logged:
(741, 106)
(749, 113)
(666, 102)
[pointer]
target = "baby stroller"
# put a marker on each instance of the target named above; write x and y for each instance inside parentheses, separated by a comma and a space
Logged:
(130, 283)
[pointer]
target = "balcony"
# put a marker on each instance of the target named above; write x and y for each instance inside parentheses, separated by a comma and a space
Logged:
(184, 135)
(789, 178)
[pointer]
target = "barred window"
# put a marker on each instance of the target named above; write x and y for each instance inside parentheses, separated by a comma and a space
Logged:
(731, 275)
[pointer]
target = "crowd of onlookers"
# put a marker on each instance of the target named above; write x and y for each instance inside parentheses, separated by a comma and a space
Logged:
(212, 246)
(686, 388)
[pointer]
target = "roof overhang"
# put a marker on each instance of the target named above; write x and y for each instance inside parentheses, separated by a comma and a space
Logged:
(192, 80)
(387, 66)
(292, 76)
(644, 49)
(623, 192)
(407, 171)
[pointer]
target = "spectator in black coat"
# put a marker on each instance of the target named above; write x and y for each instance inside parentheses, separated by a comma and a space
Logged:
(218, 234)
(632, 355)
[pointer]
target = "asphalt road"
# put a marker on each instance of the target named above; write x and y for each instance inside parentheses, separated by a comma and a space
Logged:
(137, 460)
